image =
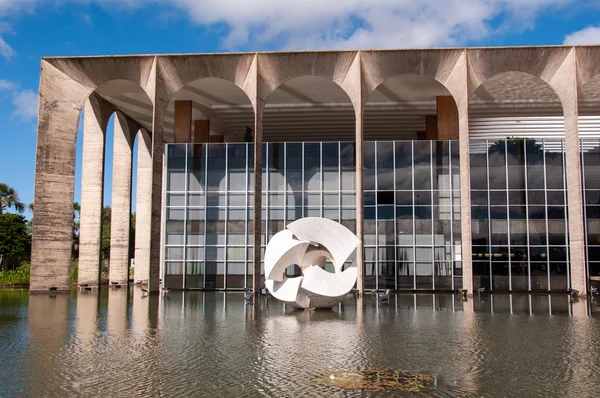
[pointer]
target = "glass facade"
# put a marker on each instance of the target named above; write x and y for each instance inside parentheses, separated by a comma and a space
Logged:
(412, 209)
(412, 232)
(519, 216)
(590, 152)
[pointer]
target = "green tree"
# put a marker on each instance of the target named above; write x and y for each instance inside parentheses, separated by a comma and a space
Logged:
(10, 198)
(105, 246)
(76, 225)
(15, 240)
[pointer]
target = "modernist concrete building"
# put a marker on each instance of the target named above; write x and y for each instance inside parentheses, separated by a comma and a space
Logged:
(457, 168)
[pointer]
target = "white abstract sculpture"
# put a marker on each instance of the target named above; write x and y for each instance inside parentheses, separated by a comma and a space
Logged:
(308, 243)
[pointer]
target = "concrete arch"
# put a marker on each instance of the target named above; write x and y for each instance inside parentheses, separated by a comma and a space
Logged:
(178, 71)
(442, 65)
(515, 103)
(406, 106)
(546, 65)
(312, 106)
(215, 99)
(341, 67)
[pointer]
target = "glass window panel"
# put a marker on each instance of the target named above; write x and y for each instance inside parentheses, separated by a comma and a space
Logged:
(348, 214)
(479, 198)
(515, 150)
(236, 214)
(369, 165)
(216, 199)
(213, 213)
(497, 165)
(236, 199)
(195, 253)
(215, 253)
(175, 214)
(196, 214)
(536, 197)
(385, 212)
(175, 200)
(331, 214)
(385, 166)
(554, 167)
(498, 198)
(174, 268)
(423, 212)
(196, 200)
(312, 166)
(516, 197)
(348, 199)
(276, 200)
(478, 168)
(236, 253)
(313, 212)
(176, 180)
(174, 253)
(195, 239)
(215, 232)
(331, 199)
(312, 199)
(422, 165)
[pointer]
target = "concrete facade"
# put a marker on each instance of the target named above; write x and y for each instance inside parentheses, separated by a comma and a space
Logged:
(67, 83)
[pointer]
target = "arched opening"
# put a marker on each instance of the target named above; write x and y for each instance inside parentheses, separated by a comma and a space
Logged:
(589, 134)
(111, 118)
(412, 230)
(308, 155)
(208, 225)
(518, 185)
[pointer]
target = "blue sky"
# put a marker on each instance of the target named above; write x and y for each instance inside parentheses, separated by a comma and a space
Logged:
(30, 29)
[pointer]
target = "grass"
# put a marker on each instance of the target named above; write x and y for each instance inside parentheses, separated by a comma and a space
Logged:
(20, 276)
(16, 277)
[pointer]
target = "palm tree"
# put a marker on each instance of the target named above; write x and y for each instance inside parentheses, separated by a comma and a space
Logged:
(10, 198)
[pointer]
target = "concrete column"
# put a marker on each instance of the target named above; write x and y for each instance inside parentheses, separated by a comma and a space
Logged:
(121, 201)
(183, 121)
(143, 207)
(96, 115)
(564, 83)
(59, 112)
(447, 118)
(258, 141)
(360, 209)
(158, 147)
(201, 131)
(457, 83)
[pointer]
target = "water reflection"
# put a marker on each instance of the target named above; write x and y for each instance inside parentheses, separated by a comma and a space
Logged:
(121, 342)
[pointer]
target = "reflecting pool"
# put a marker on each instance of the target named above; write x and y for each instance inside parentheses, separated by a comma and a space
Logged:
(123, 343)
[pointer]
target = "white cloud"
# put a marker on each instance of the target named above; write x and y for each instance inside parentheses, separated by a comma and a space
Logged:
(26, 105)
(8, 85)
(25, 102)
(312, 24)
(589, 35)
(5, 49)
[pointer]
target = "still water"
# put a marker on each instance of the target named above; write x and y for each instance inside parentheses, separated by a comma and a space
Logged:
(120, 343)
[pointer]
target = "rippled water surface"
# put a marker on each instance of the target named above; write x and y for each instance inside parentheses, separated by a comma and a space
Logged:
(119, 343)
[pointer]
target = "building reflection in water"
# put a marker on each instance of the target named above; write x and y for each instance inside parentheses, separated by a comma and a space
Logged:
(199, 335)
(49, 331)
(117, 311)
(86, 323)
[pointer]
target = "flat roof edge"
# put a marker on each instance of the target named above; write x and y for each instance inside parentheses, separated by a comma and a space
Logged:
(233, 53)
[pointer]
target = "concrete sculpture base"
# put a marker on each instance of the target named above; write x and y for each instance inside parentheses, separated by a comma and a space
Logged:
(308, 243)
